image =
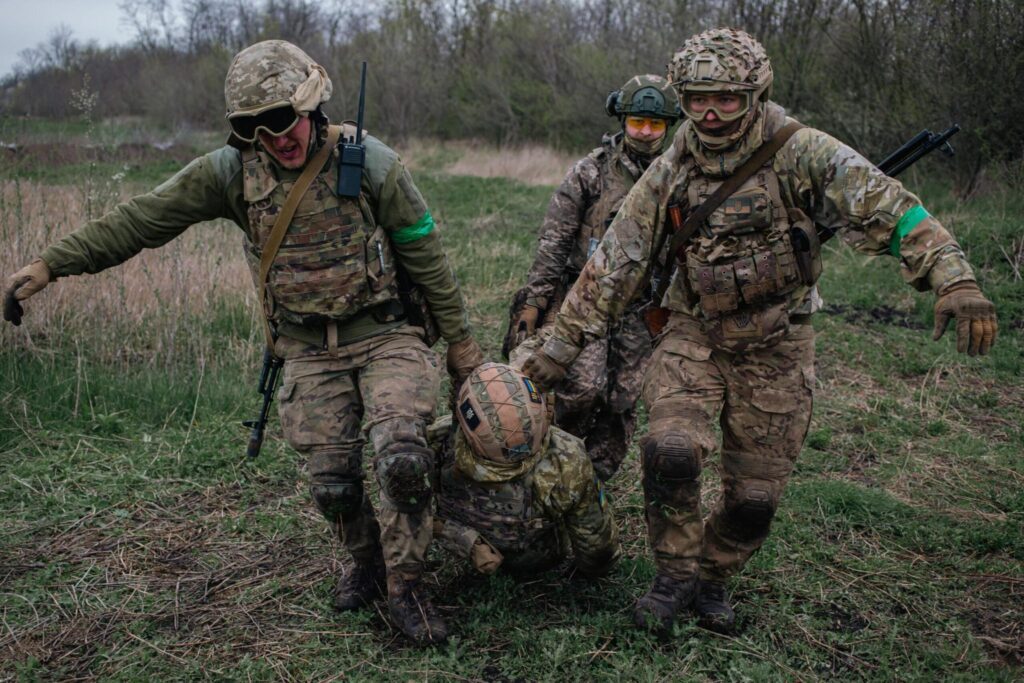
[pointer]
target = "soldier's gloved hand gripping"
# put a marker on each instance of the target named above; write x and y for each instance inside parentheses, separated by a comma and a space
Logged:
(463, 357)
(976, 325)
(543, 370)
(28, 281)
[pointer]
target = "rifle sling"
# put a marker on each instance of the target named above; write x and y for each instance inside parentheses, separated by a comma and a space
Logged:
(681, 236)
(284, 219)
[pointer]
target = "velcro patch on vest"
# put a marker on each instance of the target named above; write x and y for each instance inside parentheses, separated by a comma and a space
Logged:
(469, 415)
(531, 389)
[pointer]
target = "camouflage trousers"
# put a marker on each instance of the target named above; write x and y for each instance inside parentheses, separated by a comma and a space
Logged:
(597, 399)
(762, 400)
(385, 388)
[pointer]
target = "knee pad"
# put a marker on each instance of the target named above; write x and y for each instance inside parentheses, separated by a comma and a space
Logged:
(403, 472)
(671, 465)
(751, 511)
(337, 497)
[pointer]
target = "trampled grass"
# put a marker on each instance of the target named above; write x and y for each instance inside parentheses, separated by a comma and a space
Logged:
(138, 544)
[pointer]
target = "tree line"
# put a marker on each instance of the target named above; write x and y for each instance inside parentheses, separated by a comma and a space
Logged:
(871, 72)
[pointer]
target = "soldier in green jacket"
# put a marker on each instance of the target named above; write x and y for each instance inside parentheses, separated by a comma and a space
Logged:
(354, 367)
(515, 492)
(738, 349)
(596, 401)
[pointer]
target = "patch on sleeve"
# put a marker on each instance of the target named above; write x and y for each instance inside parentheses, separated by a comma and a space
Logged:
(531, 389)
(469, 415)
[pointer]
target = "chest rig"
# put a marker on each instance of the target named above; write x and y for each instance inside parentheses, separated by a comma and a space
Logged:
(742, 257)
(503, 513)
(334, 260)
(618, 174)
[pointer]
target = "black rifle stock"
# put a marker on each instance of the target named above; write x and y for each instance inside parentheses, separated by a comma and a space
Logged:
(268, 383)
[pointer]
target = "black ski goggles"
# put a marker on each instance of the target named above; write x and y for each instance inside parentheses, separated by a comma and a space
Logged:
(276, 121)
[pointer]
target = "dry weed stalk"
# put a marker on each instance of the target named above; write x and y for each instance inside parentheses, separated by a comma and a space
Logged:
(150, 309)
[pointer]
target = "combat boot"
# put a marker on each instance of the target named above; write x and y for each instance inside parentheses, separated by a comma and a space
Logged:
(656, 610)
(713, 610)
(360, 585)
(412, 611)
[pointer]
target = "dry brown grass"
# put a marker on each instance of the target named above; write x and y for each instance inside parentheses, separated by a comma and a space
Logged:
(531, 164)
(145, 310)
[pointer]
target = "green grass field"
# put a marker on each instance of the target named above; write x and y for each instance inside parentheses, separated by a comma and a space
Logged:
(139, 544)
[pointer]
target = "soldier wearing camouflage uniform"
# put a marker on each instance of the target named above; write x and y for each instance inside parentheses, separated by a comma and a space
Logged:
(738, 348)
(515, 493)
(596, 401)
(353, 363)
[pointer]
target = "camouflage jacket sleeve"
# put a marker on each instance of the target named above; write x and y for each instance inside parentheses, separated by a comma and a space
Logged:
(577, 498)
(208, 187)
(401, 210)
(619, 266)
(558, 232)
(838, 188)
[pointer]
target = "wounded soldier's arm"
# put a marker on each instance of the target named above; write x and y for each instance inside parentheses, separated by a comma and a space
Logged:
(559, 229)
(875, 214)
(207, 188)
(592, 531)
(467, 544)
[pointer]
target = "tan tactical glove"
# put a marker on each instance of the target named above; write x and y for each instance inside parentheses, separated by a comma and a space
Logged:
(20, 286)
(526, 323)
(485, 558)
(975, 315)
(463, 357)
(544, 371)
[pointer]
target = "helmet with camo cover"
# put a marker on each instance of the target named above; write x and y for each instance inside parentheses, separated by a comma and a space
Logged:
(273, 73)
(646, 95)
(722, 60)
(502, 414)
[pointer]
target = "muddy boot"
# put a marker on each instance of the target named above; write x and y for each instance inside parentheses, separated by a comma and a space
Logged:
(412, 611)
(361, 584)
(713, 610)
(656, 610)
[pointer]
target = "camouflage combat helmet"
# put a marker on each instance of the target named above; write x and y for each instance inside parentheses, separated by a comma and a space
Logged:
(271, 74)
(646, 95)
(723, 60)
(502, 414)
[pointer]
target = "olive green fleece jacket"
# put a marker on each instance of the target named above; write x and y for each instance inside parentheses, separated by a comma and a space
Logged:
(210, 187)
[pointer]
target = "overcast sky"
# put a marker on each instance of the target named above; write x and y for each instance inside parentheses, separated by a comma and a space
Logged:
(26, 24)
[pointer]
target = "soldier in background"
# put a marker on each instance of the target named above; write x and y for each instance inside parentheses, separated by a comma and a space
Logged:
(515, 493)
(353, 363)
(596, 401)
(738, 348)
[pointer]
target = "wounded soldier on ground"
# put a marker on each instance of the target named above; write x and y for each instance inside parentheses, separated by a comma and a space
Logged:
(514, 492)
(597, 399)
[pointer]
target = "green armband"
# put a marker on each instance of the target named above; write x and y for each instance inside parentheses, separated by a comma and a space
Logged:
(418, 230)
(907, 222)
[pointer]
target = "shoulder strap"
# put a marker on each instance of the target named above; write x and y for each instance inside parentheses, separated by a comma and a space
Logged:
(284, 219)
(697, 217)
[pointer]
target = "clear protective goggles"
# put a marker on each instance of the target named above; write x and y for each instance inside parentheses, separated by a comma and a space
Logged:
(727, 105)
(277, 120)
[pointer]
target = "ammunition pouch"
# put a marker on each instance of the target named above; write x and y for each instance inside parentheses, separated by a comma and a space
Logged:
(724, 287)
(806, 247)
(417, 308)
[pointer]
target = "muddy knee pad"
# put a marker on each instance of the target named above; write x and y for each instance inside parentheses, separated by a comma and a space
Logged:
(671, 462)
(750, 511)
(337, 497)
(403, 472)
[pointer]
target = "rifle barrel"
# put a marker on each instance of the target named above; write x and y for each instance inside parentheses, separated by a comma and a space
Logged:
(904, 150)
